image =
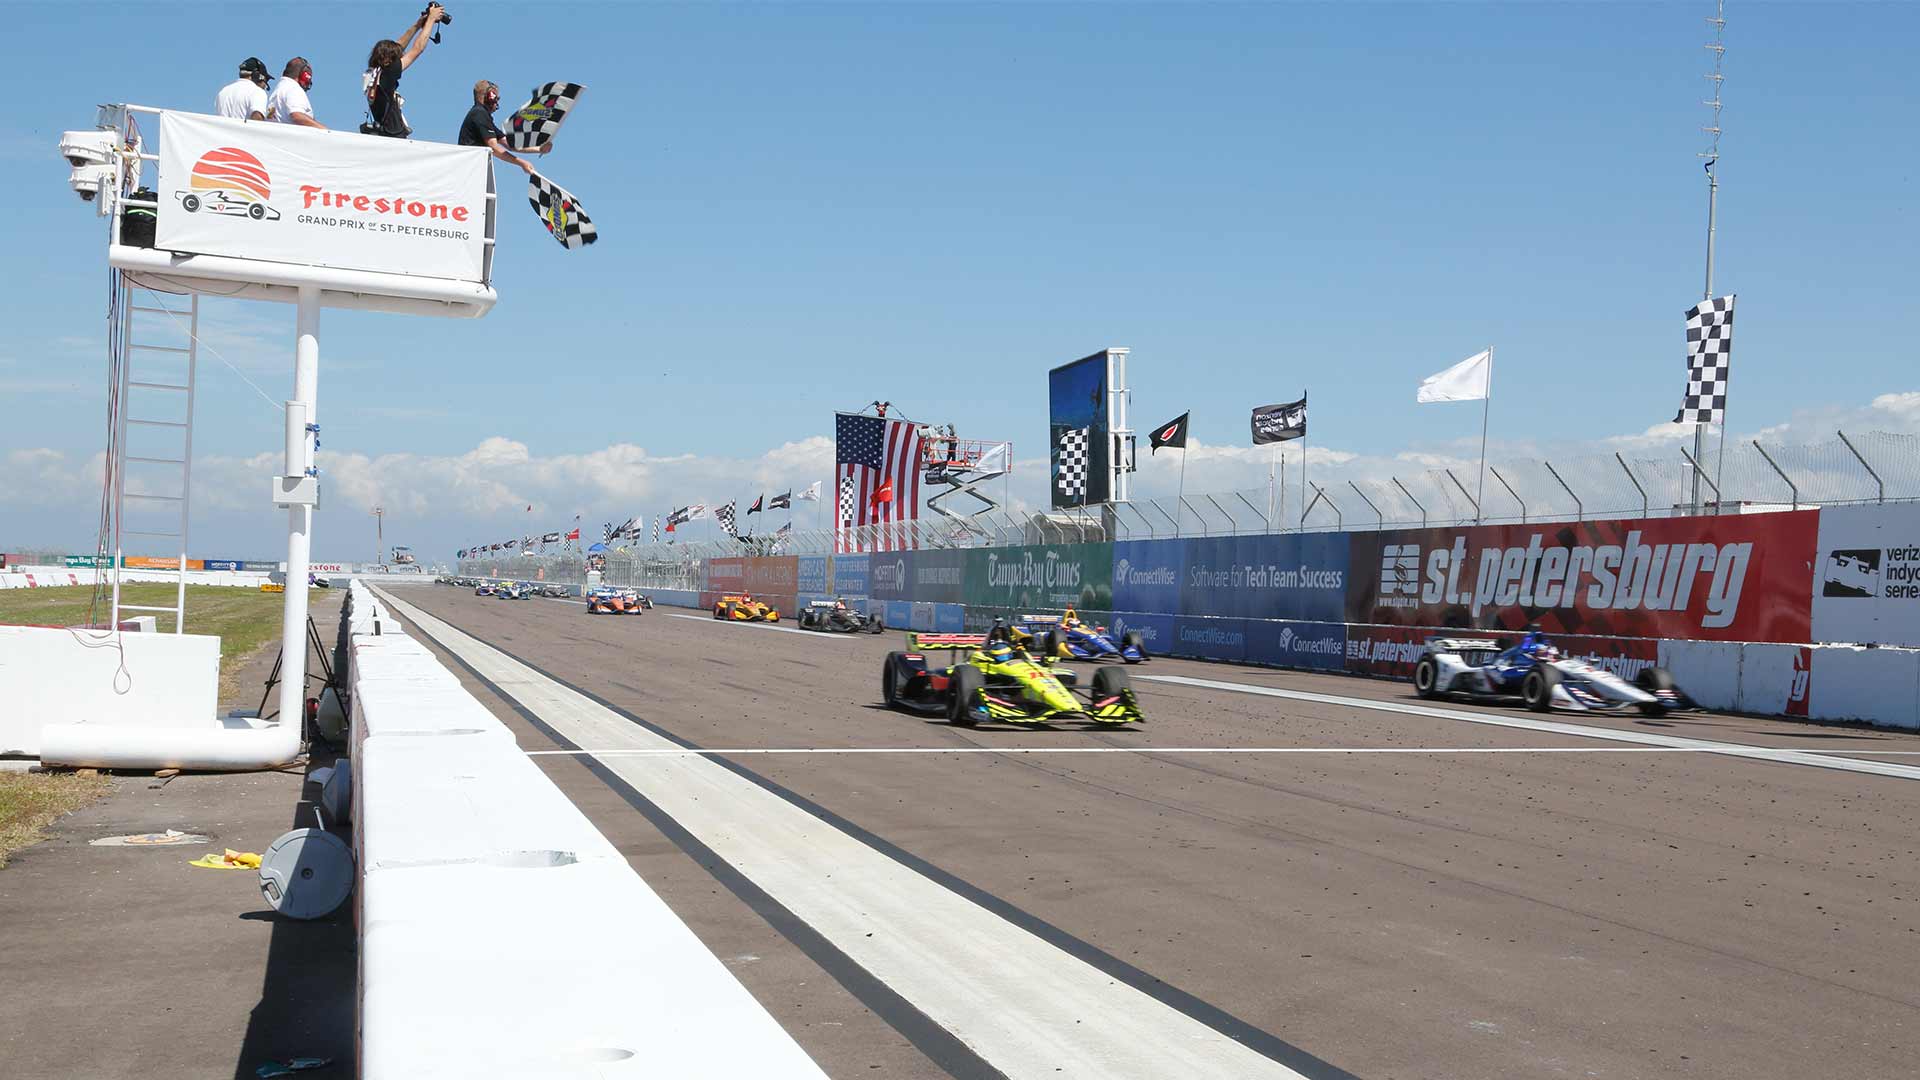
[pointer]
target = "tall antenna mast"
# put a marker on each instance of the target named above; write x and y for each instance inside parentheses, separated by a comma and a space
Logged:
(1718, 48)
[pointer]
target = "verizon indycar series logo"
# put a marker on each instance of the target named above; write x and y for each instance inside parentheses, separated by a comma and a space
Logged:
(229, 181)
(1627, 576)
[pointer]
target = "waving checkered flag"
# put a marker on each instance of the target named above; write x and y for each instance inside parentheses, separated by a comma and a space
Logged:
(1709, 355)
(534, 124)
(724, 515)
(560, 212)
(1071, 477)
(849, 500)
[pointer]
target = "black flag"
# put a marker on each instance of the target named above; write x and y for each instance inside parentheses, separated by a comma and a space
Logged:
(755, 508)
(1172, 433)
(782, 502)
(1279, 423)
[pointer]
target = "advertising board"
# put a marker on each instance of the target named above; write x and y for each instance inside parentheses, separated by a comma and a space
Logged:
(283, 193)
(1040, 577)
(1266, 577)
(1147, 575)
(1077, 432)
(220, 564)
(1744, 577)
(847, 575)
(813, 575)
(88, 561)
(1866, 583)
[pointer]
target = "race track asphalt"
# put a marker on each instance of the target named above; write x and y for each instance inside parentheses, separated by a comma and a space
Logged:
(1449, 898)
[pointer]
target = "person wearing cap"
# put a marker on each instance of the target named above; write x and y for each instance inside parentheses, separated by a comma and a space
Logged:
(289, 103)
(245, 98)
(478, 129)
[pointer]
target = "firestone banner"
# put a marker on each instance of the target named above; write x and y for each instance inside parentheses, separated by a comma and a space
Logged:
(1732, 578)
(281, 193)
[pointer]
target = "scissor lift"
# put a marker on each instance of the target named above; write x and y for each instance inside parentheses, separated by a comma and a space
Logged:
(962, 465)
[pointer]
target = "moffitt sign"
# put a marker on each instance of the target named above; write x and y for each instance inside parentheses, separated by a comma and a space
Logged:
(282, 193)
(1662, 577)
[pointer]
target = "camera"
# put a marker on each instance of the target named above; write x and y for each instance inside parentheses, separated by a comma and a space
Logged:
(444, 17)
(95, 164)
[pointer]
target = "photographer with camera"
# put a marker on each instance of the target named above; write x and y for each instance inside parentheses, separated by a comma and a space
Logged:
(384, 65)
(478, 129)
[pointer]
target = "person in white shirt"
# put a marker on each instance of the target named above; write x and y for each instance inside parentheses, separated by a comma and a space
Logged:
(245, 98)
(288, 103)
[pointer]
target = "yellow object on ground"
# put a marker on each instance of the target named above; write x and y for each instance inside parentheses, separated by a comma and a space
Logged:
(231, 860)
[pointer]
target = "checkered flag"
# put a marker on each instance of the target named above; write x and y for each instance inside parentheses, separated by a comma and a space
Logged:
(534, 124)
(724, 515)
(1070, 477)
(1709, 356)
(560, 212)
(849, 500)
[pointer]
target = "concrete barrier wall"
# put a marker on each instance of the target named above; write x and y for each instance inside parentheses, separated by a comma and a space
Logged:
(501, 935)
(39, 577)
(51, 676)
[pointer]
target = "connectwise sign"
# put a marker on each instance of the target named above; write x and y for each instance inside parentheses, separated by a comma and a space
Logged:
(281, 193)
(1042, 577)
(1733, 578)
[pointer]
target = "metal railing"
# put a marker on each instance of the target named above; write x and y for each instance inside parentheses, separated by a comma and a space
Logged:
(1876, 467)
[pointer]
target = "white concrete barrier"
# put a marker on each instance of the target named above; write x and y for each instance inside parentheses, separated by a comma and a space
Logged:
(501, 935)
(102, 679)
(41, 577)
(1879, 686)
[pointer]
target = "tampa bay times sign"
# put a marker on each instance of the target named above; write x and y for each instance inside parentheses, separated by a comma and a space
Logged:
(279, 193)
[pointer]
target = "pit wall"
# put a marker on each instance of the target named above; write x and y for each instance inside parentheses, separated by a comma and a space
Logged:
(41, 577)
(500, 933)
(1809, 613)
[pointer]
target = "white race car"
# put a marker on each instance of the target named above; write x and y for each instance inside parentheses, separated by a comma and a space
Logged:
(1540, 676)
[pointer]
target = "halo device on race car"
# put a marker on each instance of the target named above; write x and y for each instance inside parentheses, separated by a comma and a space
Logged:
(1540, 676)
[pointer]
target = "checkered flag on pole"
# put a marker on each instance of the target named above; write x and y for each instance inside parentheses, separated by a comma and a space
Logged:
(1071, 477)
(1709, 356)
(724, 515)
(849, 500)
(534, 124)
(560, 212)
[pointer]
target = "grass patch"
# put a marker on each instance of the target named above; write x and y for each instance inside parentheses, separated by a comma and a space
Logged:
(246, 620)
(29, 802)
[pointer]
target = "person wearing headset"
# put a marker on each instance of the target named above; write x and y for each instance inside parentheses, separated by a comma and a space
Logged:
(289, 103)
(478, 129)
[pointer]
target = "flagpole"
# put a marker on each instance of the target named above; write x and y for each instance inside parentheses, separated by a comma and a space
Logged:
(1273, 466)
(1180, 500)
(1303, 459)
(1486, 406)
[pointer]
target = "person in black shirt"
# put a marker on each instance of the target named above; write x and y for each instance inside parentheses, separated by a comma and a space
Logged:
(478, 129)
(382, 79)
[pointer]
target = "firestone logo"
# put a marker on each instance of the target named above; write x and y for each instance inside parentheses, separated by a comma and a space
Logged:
(231, 182)
(1606, 577)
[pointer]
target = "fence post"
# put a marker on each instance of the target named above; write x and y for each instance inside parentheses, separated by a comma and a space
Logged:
(1579, 509)
(1702, 474)
(1792, 488)
(1877, 482)
(1411, 499)
(1232, 524)
(1155, 503)
(1381, 522)
(1477, 516)
(1510, 491)
(1204, 531)
(1266, 523)
(1319, 493)
(1636, 482)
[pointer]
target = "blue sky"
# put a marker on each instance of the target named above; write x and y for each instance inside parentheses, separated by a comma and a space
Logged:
(805, 207)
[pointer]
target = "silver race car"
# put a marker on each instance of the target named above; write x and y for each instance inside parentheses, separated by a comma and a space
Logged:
(1540, 676)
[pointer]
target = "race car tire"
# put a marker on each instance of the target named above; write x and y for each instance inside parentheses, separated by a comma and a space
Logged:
(190, 204)
(806, 620)
(256, 211)
(1133, 638)
(1110, 682)
(1651, 680)
(967, 683)
(890, 679)
(1047, 644)
(1537, 688)
(876, 625)
(1426, 678)
(720, 611)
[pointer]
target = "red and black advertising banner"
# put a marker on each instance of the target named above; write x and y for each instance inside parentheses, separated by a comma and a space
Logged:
(772, 580)
(1740, 577)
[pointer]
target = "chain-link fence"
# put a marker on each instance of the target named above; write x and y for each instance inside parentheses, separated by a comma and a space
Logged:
(1741, 477)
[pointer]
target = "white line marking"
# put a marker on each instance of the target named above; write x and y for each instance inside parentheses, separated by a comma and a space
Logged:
(759, 626)
(1787, 756)
(707, 751)
(1021, 1003)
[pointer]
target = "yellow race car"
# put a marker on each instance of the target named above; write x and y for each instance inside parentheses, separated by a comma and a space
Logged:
(741, 607)
(1000, 680)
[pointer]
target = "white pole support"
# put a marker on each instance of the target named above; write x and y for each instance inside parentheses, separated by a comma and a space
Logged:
(293, 619)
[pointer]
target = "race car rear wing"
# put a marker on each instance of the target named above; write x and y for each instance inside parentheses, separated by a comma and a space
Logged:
(1445, 644)
(919, 642)
(1052, 620)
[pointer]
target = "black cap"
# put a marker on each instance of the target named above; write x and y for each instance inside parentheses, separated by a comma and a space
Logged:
(252, 68)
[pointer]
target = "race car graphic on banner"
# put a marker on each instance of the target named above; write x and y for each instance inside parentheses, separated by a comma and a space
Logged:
(1744, 577)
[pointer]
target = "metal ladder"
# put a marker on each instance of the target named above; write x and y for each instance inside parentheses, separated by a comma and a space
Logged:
(156, 406)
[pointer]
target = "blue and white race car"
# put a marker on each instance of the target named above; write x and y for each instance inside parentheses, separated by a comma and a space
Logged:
(1540, 676)
(1065, 637)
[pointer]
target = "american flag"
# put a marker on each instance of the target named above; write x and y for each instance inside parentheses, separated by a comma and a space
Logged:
(878, 469)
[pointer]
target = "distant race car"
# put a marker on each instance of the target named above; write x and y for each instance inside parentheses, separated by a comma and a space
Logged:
(484, 588)
(740, 607)
(1067, 638)
(607, 600)
(553, 589)
(1000, 680)
(512, 590)
(1540, 676)
(837, 616)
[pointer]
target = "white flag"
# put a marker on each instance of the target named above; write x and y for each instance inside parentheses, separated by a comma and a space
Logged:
(812, 494)
(1464, 381)
(994, 460)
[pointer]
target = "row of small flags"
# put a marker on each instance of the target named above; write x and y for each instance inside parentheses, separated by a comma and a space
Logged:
(1709, 352)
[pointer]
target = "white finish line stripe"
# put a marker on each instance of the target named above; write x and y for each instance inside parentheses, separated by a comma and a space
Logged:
(1017, 750)
(1020, 1002)
(760, 626)
(1818, 760)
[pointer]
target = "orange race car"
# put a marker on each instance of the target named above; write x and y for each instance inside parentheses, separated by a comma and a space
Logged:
(740, 607)
(612, 601)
